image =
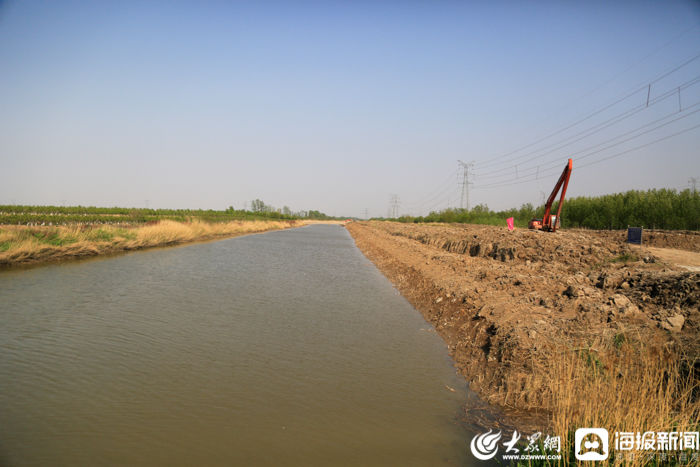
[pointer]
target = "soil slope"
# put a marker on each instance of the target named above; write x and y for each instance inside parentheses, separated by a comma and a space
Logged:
(507, 303)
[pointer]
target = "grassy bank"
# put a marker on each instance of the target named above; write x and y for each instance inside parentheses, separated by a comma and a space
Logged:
(35, 244)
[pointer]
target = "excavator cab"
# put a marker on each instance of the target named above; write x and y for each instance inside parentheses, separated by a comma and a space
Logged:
(535, 224)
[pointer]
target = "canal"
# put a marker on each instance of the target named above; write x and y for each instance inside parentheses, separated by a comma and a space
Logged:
(283, 348)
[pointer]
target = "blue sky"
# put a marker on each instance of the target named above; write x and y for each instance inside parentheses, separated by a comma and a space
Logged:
(337, 105)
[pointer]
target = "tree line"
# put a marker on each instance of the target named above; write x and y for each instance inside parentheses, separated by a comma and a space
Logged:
(259, 207)
(65, 215)
(656, 208)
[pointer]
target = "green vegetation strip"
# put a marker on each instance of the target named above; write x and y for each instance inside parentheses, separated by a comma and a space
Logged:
(71, 215)
(659, 209)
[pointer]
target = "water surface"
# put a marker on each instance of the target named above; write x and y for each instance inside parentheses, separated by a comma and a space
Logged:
(285, 348)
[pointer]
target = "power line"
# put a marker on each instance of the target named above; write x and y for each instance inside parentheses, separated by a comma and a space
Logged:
(445, 200)
(613, 78)
(540, 171)
(524, 172)
(596, 128)
(435, 193)
(642, 146)
(447, 189)
(640, 134)
(646, 86)
(621, 153)
(557, 161)
(442, 199)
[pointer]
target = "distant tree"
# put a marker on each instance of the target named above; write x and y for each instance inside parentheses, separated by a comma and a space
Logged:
(257, 206)
(317, 215)
(480, 208)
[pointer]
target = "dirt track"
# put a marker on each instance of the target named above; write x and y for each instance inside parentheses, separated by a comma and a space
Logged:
(689, 260)
(506, 302)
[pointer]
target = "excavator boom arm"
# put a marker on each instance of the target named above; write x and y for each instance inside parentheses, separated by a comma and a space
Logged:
(563, 180)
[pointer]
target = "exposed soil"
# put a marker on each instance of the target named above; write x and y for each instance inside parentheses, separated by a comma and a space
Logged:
(677, 239)
(689, 260)
(506, 302)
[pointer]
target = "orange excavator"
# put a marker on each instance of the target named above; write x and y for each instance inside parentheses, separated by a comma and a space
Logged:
(551, 222)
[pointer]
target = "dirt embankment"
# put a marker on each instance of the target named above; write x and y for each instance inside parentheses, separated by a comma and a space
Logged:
(510, 305)
(677, 239)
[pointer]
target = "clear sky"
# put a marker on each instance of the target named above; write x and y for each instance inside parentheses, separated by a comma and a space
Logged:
(336, 106)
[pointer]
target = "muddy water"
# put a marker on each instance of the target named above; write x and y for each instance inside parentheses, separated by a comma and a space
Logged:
(286, 348)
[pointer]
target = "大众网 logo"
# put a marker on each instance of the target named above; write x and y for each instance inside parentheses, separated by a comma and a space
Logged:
(485, 445)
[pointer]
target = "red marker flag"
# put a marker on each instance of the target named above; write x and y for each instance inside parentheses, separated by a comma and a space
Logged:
(511, 223)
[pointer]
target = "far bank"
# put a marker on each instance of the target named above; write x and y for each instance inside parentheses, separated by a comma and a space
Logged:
(26, 245)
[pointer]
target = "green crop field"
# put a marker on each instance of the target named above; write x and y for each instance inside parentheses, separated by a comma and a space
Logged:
(90, 215)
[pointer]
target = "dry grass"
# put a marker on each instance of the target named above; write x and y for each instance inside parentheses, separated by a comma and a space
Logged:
(637, 388)
(622, 384)
(25, 245)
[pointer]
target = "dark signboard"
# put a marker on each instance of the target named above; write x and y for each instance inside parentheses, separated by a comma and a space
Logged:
(634, 235)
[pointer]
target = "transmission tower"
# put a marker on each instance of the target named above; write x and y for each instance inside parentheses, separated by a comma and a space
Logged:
(693, 181)
(366, 214)
(464, 183)
(394, 204)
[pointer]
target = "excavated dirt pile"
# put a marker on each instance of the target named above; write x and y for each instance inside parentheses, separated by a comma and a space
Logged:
(506, 302)
(680, 239)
